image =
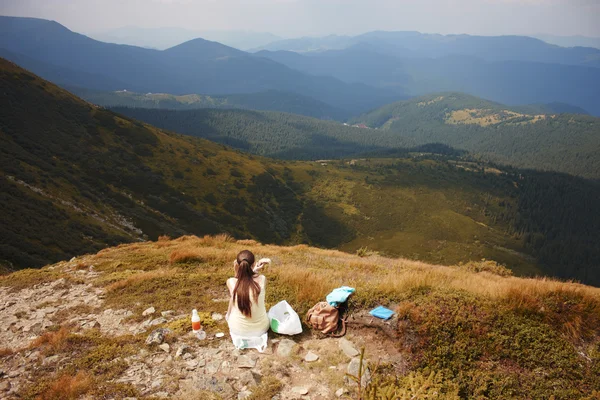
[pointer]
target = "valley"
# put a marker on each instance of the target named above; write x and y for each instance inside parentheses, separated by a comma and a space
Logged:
(104, 179)
(428, 204)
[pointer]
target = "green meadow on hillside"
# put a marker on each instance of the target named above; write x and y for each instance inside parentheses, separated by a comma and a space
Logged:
(101, 179)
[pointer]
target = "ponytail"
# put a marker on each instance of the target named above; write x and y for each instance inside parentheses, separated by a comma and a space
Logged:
(245, 283)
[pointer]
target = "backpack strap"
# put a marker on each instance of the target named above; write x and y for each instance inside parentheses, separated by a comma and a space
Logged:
(342, 332)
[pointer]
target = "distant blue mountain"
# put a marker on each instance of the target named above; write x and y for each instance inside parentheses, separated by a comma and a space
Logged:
(415, 44)
(197, 66)
(509, 82)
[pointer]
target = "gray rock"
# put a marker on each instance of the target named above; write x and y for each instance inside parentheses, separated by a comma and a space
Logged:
(353, 370)
(243, 395)
(167, 313)
(340, 392)
(187, 356)
(285, 347)
(191, 365)
(348, 348)
(311, 357)
(300, 390)
(50, 360)
(158, 321)
(201, 362)
(148, 311)
(246, 362)
(165, 347)
(4, 385)
(212, 367)
(183, 349)
(248, 378)
(157, 336)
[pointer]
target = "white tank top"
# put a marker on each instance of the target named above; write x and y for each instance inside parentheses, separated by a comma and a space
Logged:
(256, 325)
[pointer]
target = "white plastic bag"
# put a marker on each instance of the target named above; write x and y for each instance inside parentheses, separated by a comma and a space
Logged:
(284, 319)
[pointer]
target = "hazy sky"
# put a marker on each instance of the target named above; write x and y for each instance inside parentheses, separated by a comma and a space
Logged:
(317, 17)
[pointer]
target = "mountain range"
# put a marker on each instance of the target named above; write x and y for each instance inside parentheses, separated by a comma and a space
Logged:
(164, 38)
(352, 74)
(196, 66)
(516, 81)
(420, 45)
(100, 179)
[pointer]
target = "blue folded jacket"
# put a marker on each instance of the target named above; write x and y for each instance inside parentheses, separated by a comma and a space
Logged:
(382, 312)
(339, 295)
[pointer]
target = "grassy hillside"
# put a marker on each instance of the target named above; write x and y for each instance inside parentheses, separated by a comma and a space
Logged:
(270, 100)
(469, 331)
(526, 137)
(560, 142)
(99, 179)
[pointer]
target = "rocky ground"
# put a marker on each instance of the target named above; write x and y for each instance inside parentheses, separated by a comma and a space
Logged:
(171, 364)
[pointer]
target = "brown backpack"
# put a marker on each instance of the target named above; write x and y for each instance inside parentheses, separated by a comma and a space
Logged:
(325, 318)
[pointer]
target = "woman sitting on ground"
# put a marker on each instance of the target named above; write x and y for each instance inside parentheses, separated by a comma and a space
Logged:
(247, 316)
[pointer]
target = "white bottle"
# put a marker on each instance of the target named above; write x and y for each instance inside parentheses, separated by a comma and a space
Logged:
(196, 326)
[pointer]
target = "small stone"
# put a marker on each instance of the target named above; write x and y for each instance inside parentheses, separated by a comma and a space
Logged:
(4, 385)
(191, 365)
(165, 347)
(73, 259)
(285, 347)
(219, 335)
(50, 360)
(201, 363)
(148, 311)
(182, 350)
(348, 348)
(158, 321)
(353, 370)
(187, 356)
(167, 313)
(300, 390)
(217, 316)
(157, 336)
(340, 392)
(248, 378)
(212, 367)
(245, 394)
(311, 357)
(246, 362)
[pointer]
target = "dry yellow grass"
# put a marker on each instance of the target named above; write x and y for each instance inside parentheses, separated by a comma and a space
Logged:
(486, 117)
(4, 352)
(53, 342)
(139, 277)
(68, 387)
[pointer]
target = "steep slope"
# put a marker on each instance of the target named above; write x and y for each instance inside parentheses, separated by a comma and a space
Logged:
(77, 178)
(197, 66)
(272, 100)
(100, 179)
(116, 324)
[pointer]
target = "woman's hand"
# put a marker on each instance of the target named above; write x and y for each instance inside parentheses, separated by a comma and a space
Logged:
(263, 262)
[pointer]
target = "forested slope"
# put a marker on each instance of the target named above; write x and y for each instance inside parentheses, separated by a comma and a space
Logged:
(77, 178)
(526, 138)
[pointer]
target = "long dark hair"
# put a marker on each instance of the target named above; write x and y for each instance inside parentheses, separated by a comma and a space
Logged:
(245, 283)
